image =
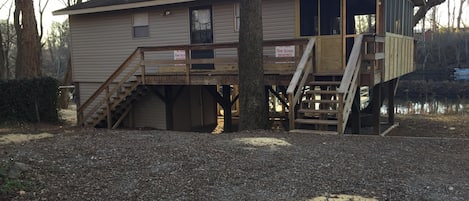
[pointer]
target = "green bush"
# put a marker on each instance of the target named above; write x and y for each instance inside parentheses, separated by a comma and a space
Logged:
(29, 100)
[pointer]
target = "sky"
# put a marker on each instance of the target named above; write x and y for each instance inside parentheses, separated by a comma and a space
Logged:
(58, 4)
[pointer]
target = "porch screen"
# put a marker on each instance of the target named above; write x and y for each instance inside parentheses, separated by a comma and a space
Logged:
(399, 17)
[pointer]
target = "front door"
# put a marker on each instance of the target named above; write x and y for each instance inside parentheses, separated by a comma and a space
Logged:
(201, 33)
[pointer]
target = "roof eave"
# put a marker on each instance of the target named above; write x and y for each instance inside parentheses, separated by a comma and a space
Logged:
(118, 7)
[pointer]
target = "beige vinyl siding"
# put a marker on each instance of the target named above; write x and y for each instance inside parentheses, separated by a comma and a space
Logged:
(278, 23)
(101, 42)
(86, 90)
(150, 112)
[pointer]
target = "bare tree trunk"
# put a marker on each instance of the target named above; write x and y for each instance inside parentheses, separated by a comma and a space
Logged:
(252, 96)
(460, 14)
(449, 17)
(42, 8)
(434, 20)
(28, 43)
(453, 14)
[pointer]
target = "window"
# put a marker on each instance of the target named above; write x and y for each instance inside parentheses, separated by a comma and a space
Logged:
(140, 25)
(365, 23)
(237, 21)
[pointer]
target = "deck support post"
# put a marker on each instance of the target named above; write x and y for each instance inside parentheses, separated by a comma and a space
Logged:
(391, 89)
(356, 119)
(169, 103)
(376, 107)
(226, 105)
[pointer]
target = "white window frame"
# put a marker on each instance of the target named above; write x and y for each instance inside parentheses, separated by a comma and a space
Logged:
(140, 20)
(236, 17)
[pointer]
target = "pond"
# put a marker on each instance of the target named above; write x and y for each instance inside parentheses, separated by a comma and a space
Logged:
(429, 107)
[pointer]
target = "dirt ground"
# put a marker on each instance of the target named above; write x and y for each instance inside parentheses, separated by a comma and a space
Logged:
(428, 163)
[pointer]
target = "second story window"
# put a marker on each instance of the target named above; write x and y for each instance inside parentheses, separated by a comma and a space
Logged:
(236, 17)
(140, 25)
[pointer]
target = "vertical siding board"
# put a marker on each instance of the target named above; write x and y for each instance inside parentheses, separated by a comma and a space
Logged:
(399, 59)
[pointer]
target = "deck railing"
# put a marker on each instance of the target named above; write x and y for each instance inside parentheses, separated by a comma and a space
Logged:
(349, 84)
(148, 60)
(297, 83)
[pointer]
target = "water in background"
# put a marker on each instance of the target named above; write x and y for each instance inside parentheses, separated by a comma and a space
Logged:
(429, 107)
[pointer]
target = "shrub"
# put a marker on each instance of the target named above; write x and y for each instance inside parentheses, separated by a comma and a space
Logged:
(29, 100)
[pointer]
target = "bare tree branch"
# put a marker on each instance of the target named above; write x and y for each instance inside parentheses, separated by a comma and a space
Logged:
(41, 19)
(425, 8)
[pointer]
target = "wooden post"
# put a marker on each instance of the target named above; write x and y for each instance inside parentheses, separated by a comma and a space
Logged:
(188, 65)
(376, 109)
(108, 108)
(226, 104)
(356, 121)
(168, 94)
(391, 87)
(340, 115)
(142, 65)
(291, 111)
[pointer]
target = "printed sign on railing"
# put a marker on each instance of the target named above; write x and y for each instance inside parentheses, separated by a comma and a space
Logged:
(179, 55)
(285, 51)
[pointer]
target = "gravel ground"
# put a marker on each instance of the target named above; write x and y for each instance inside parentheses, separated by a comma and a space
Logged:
(161, 165)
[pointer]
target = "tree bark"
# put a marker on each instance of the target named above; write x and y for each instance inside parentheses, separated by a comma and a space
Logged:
(28, 44)
(252, 97)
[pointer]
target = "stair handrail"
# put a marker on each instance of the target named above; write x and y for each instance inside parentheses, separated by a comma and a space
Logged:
(298, 81)
(105, 87)
(349, 84)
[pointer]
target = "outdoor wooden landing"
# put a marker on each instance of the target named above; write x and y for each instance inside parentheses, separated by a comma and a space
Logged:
(211, 78)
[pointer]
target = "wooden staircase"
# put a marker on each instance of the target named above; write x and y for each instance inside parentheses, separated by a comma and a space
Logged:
(120, 105)
(319, 108)
(323, 106)
(111, 102)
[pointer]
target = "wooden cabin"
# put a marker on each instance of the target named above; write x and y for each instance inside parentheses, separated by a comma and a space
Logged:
(169, 64)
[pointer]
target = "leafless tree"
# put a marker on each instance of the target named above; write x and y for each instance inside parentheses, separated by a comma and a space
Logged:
(7, 46)
(422, 11)
(461, 5)
(42, 8)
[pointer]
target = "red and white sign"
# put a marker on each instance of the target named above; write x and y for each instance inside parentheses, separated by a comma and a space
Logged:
(285, 51)
(179, 55)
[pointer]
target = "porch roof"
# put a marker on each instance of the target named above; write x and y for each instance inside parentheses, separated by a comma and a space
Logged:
(96, 6)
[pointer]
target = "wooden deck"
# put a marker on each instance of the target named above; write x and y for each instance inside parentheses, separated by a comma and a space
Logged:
(212, 78)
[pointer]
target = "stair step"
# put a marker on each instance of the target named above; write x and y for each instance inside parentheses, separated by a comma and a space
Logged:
(334, 92)
(317, 132)
(321, 101)
(316, 121)
(318, 111)
(324, 83)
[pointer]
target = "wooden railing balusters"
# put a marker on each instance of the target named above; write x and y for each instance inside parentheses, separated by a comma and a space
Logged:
(142, 65)
(295, 89)
(108, 108)
(188, 65)
(108, 95)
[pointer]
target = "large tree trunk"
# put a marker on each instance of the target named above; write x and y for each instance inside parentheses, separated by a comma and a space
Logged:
(28, 45)
(252, 95)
